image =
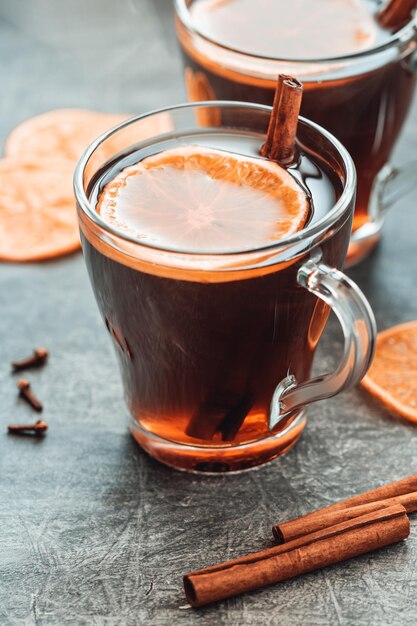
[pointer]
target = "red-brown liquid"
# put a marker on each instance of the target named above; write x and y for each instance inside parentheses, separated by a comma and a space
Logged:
(201, 358)
(365, 109)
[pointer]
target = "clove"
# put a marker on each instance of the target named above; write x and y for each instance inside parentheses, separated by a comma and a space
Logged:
(38, 358)
(37, 429)
(27, 394)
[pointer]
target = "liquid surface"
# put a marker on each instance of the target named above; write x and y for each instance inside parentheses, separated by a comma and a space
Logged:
(199, 199)
(172, 211)
(299, 29)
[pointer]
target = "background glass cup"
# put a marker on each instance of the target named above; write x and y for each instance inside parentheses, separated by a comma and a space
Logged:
(363, 99)
(180, 321)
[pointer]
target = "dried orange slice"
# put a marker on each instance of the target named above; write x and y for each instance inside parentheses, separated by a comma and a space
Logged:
(194, 198)
(38, 219)
(62, 133)
(392, 377)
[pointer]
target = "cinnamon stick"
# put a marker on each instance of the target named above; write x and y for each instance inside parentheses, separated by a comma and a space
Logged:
(332, 545)
(229, 397)
(392, 490)
(266, 148)
(280, 139)
(224, 408)
(396, 13)
(287, 531)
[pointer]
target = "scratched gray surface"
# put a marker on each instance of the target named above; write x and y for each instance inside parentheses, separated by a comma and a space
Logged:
(92, 531)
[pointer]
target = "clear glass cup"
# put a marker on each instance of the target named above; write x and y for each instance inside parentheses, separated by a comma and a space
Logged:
(187, 325)
(363, 99)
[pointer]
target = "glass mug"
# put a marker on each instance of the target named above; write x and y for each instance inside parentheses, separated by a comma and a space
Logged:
(363, 99)
(215, 349)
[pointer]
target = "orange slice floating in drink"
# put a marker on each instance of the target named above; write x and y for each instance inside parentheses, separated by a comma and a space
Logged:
(392, 377)
(205, 200)
(38, 219)
(62, 133)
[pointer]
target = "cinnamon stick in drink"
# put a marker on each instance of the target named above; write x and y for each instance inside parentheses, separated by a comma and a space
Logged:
(225, 406)
(396, 13)
(266, 148)
(288, 531)
(306, 554)
(280, 139)
(392, 490)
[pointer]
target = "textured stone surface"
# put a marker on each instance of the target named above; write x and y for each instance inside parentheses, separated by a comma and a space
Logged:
(92, 530)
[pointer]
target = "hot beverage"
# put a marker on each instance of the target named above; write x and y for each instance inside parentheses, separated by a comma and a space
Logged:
(358, 76)
(200, 289)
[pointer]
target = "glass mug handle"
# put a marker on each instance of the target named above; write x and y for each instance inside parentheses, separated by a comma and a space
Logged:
(391, 184)
(359, 329)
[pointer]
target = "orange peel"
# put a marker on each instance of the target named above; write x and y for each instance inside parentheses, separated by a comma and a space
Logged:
(59, 134)
(38, 220)
(392, 377)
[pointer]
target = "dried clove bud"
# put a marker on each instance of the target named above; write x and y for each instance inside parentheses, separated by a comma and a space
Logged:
(27, 394)
(37, 429)
(38, 358)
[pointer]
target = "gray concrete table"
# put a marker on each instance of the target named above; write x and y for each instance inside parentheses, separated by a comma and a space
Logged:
(92, 530)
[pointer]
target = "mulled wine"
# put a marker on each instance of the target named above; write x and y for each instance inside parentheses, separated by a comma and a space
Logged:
(194, 245)
(358, 77)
